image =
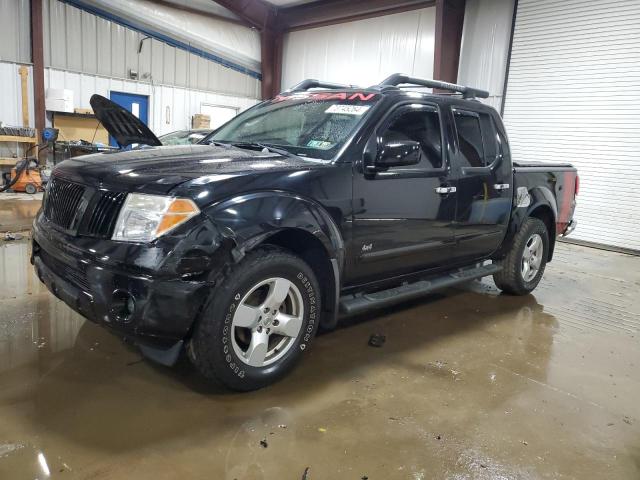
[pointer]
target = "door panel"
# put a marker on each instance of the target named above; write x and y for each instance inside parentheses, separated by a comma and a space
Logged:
(138, 105)
(401, 224)
(483, 187)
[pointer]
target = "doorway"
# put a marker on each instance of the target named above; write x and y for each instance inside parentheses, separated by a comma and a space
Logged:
(137, 104)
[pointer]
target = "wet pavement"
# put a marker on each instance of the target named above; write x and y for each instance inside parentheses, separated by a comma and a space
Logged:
(469, 384)
(17, 210)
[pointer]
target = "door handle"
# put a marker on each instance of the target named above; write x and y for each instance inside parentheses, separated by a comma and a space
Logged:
(445, 190)
(501, 186)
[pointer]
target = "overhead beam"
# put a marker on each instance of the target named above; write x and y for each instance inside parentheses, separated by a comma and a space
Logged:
(331, 12)
(257, 13)
(196, 11)
(37, 56)
(449, 22)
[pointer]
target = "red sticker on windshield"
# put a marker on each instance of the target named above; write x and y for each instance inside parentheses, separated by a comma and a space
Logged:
(324, 96)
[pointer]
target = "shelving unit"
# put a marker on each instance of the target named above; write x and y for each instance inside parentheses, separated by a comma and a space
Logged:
(9, 161)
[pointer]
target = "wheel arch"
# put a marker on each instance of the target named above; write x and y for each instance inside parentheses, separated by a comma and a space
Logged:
(290, 221)
(540, 203)
(314, 253)
(545, 214)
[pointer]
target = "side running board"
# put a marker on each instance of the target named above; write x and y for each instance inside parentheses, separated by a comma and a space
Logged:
(361, 302)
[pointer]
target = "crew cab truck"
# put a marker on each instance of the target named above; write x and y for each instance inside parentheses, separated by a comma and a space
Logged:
(328, 200)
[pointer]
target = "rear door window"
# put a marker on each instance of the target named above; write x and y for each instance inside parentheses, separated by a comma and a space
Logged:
(469, 138)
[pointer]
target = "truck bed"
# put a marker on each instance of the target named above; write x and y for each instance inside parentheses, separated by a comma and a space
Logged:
(558, 179)
(520, 165)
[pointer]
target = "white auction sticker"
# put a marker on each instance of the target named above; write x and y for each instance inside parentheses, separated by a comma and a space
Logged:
(347, 109)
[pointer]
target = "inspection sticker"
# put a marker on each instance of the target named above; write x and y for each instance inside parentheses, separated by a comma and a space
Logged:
(321, 144)
(347, 109)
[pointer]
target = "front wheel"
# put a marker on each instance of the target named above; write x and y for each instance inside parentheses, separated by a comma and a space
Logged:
(263, 315)
(524, 264)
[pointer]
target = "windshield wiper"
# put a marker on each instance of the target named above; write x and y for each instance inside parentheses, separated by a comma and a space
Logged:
(217, 144)
(264, 146)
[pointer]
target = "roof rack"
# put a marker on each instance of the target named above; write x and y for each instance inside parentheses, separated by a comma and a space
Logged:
(313, 83)
(402, 79)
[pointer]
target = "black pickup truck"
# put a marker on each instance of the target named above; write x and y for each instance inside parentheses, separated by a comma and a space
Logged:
(326, 201)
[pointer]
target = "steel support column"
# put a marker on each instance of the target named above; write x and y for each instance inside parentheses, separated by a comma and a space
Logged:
(449, 22)
(37, 55)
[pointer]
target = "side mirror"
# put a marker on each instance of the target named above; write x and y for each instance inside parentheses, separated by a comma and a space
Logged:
(398, 153)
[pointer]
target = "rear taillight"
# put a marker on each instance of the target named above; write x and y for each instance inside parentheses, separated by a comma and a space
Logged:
(577, 186)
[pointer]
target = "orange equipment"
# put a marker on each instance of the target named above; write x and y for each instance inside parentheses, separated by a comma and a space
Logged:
(26, 179)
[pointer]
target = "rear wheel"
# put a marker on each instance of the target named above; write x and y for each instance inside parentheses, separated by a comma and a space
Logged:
(30, 188)
(525, 262)
(260, 320)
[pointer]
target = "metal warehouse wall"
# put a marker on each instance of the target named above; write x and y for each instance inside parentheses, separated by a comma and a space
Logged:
(15, 48)
(15, 44)
(233, 42)
(11, 96)
(363, 52)
(485, 46)
(573, 95)
(170, 108)
(79, 41)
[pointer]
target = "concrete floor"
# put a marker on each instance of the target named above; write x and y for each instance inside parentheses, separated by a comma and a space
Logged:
(17, 210)
(470, 384)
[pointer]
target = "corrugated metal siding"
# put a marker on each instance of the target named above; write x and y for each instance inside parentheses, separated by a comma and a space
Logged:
(11, 94)
(182, 103)
(79, 41)
(485, 46)
(11, 104)
(363, 52)
(15, 28)
(573, 95)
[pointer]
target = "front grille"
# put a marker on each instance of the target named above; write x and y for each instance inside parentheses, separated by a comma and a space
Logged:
(96, 216)
(75, 276)
(105, 213)
(62, 201)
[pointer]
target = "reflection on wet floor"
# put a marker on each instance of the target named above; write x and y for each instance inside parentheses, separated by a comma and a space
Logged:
(17, 210)
(469, 384)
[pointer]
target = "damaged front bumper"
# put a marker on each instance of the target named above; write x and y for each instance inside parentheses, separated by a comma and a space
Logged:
(156, 312)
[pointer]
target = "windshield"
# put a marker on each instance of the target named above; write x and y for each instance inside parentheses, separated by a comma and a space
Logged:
(184, 137)
(308, 124)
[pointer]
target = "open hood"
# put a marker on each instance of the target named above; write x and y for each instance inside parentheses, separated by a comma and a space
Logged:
(121, 124)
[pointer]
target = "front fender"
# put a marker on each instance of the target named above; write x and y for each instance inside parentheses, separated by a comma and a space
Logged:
(250, 218)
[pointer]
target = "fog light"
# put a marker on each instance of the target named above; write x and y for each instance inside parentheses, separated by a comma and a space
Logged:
(123, 306)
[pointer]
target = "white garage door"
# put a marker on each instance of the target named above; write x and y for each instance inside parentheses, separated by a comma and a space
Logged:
(573, 95)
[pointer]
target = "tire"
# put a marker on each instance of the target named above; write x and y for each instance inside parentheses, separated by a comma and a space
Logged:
(515, 278)
(243, 340)
(30, 188)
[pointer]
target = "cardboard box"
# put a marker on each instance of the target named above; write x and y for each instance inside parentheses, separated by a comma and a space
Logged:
(59, 100)
(200, 120)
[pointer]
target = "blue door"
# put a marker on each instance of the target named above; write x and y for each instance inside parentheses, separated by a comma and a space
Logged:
(138, 105)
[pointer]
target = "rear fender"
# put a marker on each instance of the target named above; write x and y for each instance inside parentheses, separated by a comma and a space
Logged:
(524, 205)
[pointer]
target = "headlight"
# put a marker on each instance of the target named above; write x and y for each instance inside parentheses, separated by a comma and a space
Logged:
(144, 218)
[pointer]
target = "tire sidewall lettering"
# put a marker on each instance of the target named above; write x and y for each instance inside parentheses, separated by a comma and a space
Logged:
(306, 287)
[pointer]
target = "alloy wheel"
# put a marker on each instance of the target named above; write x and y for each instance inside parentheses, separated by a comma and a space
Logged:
(532, 257)
(267, 322)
